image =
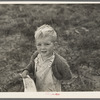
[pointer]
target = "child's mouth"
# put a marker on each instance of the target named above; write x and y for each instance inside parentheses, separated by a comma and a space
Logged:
(43, 51)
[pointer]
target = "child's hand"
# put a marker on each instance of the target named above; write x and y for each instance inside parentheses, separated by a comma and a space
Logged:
(24, 73)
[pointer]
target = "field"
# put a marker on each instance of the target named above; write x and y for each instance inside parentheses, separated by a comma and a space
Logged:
(77, 26)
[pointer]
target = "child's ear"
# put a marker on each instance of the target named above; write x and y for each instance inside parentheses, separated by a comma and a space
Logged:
(55, 45)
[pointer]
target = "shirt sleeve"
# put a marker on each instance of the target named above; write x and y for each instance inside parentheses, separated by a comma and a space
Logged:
(67, 75)
(29, 67)
(62, 69)
(65, 71)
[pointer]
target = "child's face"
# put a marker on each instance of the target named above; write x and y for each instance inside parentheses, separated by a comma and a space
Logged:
(45, 46)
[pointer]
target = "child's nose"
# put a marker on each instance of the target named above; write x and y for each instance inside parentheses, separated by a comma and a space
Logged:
(42, 47)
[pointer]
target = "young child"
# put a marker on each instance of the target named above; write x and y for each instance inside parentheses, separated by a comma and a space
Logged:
(48, 67)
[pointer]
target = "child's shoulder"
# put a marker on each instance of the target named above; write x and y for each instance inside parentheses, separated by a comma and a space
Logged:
(60, 60)
(59, 57)
(34, 55)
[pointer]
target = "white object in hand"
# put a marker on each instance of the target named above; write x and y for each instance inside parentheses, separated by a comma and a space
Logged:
(29, 85)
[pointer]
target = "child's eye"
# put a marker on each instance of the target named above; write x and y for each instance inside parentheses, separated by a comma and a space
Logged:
(47, 44)
(38, 44)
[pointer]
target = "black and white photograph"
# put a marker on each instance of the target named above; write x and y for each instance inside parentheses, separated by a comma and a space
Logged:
(50, 47)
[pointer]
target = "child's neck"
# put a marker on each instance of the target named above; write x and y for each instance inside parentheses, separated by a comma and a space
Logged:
(44, 58)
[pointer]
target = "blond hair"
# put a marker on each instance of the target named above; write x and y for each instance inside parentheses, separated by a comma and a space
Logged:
(46, 31)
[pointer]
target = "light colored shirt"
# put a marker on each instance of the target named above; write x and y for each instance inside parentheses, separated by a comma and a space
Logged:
(45, 80)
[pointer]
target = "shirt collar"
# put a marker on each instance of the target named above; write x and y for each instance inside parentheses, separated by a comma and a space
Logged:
(40, 61)
(50, 58)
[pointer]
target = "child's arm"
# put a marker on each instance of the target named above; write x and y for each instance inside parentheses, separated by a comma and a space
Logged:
(67, 75)
(27, 70)
(30, 67)
(65, 72)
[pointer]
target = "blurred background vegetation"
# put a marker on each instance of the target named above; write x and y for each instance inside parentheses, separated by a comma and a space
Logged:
(78, 29)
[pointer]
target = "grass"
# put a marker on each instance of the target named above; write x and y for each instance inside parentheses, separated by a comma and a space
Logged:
(78, 30)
